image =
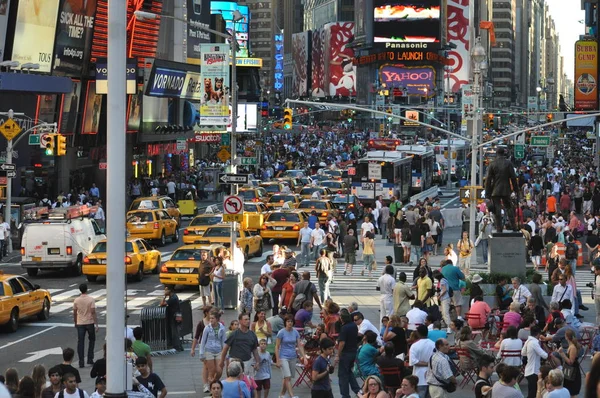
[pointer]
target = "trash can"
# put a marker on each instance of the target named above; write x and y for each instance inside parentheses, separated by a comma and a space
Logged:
(230, 291)
(155, 326)
(398, 254)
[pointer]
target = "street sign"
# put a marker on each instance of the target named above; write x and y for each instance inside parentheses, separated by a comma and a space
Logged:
(223, 155)
(465, 194)
(550, 152)
(10, 129)
(181, 145)
(369, 186)
(8, 166)
(351, 171)
(374, 171)
(233, 209)
(11, 174)
(248, 161)
(539, 140)
(233, 178)
(34, 139)
(225, 139)
(520, 151)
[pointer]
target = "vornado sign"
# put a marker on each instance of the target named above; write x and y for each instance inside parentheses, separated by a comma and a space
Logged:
(167, 81)
(102, 76)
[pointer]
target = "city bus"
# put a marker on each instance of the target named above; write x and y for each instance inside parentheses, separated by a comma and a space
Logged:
(459, 149)
(422, 162)
(395, 170)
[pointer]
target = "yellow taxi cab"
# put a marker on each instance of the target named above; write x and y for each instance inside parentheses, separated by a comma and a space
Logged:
(272, 187)
(251, 245)
(283, 224)
(198, 225)
(307, 192)
(323, 208)
(294, 183)
(336, 186)
(277, 201)
(254, 215)
(154, 225)
(182, 267)
(140, 258)
(157, 202)
(334, 174)
(250, 194)
(20, 299)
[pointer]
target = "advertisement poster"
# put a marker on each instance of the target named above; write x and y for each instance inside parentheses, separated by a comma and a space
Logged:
(198, 12)
(74, 36)
(300, 57)
(214, 102)
(413, 117)
(226, 9)
(46, 111)
(399, 22)
(318, 63)
(459, 34)
(586, 72)
(92, 109)
(101, 74)
(468, 103)
(532, 103)
(34, 33)
(413, 81)
(135, 110)
(4, 7)
(340, 78)
(70, 109)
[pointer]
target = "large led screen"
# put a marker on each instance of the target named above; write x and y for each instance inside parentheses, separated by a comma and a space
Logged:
(403, 23)
(226, 9)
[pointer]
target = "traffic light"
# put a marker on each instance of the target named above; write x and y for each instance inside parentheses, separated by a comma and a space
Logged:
(51, 144)
(61, 145)
(549, 118)
(490, 122)
(287, 119)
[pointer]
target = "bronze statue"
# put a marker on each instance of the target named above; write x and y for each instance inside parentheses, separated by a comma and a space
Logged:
(500, 183)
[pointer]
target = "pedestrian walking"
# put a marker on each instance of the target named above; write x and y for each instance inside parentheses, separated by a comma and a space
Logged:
(242, 344)
(385, 285)
(441, 371)
(350, 248)
(86, 321)
(324, 272)
(304, 239)
(321, 369)
(347, 348)
(286, 345)
(369, 255)
(70, 389)
(465, 250)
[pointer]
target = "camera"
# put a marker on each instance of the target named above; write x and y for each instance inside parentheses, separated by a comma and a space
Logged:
(590, 285)
(331, 369)
(438, 290)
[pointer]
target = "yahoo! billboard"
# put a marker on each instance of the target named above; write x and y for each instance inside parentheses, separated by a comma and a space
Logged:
(416, 81)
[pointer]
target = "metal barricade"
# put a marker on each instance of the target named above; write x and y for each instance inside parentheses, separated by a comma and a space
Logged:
(156, 327)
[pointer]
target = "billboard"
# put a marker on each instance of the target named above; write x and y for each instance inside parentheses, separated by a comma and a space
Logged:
(300, 57)
(70, 109)
(318, 63)
(198, 12)
(278, 61)
(91, 110)
(226, 9)
(459, 16)
(586, 73)
(340, 76)
(400, 24)
(74, 36)
(4, 8)
(214, 102)
(101, 74)
(34, 33)
(416, 81)
(134, 111)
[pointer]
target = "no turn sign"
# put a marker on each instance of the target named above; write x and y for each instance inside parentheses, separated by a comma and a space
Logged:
(233, 209)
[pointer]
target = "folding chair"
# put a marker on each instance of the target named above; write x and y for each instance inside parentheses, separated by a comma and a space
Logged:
(466, 373)
(305, 370)
(505, 354)
(392, 379)
(476, 331)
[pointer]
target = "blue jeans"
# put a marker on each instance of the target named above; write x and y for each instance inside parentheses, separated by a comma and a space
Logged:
(316, 249)
(415, 253)
(346, 376)
(91, 332)
(218, 286)
(484, 249)
(423, 391)
(305, 253)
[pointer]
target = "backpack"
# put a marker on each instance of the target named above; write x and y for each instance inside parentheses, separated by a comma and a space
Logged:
(571, 252)
(406, 234)
(301, 298)
(61, 394)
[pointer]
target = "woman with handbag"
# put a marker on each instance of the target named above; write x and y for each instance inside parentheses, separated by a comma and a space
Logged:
(570, 359)
(217, 276)
(465, 250)
(263, 298)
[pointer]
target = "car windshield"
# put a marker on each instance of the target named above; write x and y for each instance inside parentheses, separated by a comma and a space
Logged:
(217, 232)
(309, 191)
(333, 173)
(309, 204)
(101, 247)
(205, 221)
(248, 195)
(140, 216)
(251, 208)
(332, 184)
(343, 199)
(290, 217)
(144, 204)
(281, 198)
(272, 188)
(186, 254)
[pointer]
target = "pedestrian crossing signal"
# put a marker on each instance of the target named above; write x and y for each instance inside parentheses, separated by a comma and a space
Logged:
(287, 119)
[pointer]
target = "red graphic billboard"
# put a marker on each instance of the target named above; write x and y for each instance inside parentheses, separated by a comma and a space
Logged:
(301, 56)
(340, 76)
(318, 63)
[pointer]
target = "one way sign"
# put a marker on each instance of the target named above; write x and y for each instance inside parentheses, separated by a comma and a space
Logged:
(8, 167)
(233, 178)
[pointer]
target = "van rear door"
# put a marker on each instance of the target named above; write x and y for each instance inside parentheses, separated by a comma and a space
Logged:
(44, 242)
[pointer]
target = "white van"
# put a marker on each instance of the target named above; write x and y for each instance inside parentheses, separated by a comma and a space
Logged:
(61, 238)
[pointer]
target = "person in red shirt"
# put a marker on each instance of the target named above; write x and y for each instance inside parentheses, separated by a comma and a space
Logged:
(281, 275)
(565, 203)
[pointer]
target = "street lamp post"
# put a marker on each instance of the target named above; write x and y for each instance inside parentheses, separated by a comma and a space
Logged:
(449, 138)
(478, 55)
(538, 89)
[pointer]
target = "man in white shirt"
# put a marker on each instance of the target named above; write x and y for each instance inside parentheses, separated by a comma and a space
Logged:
(171, 189)
(419, 354)
(304, 239)
(366, 226)
(416, 316)
(317, 238)
(364, 325)
(386, 284)
(266, 269)
(520, 293)
(562, 291)
(534, 353)
(70, 390)
(99, 215)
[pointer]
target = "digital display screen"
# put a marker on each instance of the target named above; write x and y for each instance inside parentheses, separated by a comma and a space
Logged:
(226, 9)
(397, 23)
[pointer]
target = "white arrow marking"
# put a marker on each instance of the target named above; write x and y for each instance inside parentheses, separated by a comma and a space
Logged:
(37, 355)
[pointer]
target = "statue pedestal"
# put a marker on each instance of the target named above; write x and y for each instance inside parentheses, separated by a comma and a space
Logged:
(507, 253)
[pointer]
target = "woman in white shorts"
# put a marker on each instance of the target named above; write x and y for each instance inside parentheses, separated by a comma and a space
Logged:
(211, 345)
(288, 340)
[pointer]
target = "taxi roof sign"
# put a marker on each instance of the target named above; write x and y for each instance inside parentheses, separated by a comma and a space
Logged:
(212, 209)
